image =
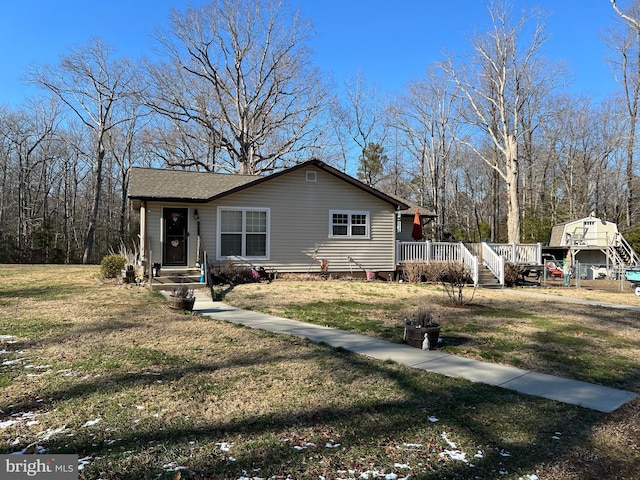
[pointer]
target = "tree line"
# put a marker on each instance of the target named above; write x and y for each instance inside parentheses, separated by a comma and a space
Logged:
(491, 139)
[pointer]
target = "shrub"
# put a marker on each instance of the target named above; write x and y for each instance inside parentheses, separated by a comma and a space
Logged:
(416, 271)
(511, 274)
(230, 274)
(454, 278)
(413, 270)
(112, 265)
(433, 271)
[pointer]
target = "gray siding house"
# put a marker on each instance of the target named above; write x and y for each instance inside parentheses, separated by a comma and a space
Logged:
(288, 221)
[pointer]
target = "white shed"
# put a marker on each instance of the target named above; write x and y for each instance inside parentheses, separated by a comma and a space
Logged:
(593, 241)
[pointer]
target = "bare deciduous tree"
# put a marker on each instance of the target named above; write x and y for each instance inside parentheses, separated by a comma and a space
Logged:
(427, 115)
(360, 119)
(242, 71)
(627, 48)
(504, 74)
(91, 84)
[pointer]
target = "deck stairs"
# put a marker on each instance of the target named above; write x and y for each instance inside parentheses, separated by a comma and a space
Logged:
(625, 253)
(486, 278)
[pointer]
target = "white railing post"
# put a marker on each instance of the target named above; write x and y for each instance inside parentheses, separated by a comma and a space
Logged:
(470, 261)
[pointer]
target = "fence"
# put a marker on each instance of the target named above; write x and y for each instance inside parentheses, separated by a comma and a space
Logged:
(591, 275)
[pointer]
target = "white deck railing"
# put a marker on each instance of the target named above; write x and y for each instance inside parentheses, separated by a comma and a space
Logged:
(437, 252)
(471, 262)
(493, 255)
(519, 253)
(494, 262)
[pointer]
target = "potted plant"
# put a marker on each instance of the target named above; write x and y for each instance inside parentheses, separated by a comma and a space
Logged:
(182, 298)
(216, 293)
(421, 331)
(129, 274)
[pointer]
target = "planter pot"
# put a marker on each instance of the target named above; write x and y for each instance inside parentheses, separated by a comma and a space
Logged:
(181, 303)
(129, 275)
(415, 336)
(371, 274)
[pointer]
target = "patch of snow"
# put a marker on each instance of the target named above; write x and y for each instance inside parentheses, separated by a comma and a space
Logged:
(454, 453)
(51, 432)
(331, 445)
(91, 423)
(18, 417)
(173, 467)
(433, 419)
(224, 446)
(449, 442)
(304, 445)
(7, 423)
(244, 477)
(83, 462)
(7, 363)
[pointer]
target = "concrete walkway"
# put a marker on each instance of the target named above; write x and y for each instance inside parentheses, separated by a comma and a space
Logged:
(595, 397)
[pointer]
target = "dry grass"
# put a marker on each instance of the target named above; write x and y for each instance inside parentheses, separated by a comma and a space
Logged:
(527, 328)
(170, 389)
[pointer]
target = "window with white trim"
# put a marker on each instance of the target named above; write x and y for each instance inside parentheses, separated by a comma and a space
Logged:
(348, 224)
(243, 232)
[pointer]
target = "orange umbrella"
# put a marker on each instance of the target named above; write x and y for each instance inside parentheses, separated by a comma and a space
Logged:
(417, 227)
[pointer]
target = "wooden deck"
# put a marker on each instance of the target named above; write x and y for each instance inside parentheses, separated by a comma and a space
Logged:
(475, 256)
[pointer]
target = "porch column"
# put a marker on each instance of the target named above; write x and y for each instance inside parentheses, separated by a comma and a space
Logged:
(143, 231)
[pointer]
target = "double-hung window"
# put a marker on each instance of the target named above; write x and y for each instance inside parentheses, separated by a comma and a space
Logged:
(349, 224)
(243, 232)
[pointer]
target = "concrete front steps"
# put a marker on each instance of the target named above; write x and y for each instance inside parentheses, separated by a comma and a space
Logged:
(172, 278)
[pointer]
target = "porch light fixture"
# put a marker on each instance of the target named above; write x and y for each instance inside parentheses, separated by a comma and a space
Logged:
(195, 214)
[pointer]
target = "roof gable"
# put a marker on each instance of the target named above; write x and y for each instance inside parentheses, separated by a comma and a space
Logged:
(178, 185)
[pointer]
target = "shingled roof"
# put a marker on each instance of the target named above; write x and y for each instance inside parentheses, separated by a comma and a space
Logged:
(180, 185)
(201, 187)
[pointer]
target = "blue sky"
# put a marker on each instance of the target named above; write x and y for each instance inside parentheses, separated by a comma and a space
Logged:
(390, 42)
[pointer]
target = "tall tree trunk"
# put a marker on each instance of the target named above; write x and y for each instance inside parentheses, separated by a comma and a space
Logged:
(512, 174)
(97, 188)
